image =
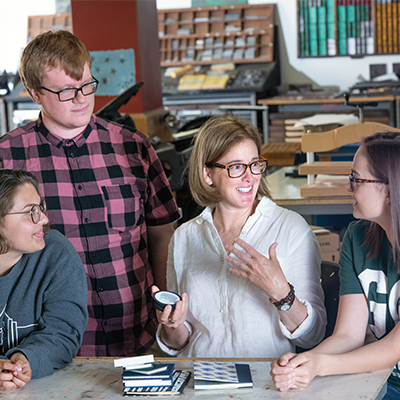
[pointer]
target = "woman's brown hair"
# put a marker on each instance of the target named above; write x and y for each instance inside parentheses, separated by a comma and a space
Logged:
(215, 138)
(383, 152)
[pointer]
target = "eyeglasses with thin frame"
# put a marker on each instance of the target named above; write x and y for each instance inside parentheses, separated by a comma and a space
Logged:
(237, 170)
(71, 93)
(360, 180)
(35, 212)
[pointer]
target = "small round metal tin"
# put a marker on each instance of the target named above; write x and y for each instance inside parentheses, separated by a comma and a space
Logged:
(163, 298)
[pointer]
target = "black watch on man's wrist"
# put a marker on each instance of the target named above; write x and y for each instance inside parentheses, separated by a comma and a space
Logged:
(287, 302)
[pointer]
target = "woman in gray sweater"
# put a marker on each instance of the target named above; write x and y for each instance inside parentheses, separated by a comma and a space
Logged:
(43, 289)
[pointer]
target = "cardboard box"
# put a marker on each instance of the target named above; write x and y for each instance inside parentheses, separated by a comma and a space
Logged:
(329, 243)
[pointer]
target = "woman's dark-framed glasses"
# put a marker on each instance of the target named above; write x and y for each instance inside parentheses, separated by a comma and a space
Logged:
(239, 169)
(71, 93)
(360, 180)
(35, 212)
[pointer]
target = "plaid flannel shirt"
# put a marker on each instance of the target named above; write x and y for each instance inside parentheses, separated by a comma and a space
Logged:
(102, 189)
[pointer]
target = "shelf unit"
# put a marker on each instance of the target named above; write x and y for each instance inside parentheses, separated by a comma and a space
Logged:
(355, 28)
(41, 23)
(208, 35)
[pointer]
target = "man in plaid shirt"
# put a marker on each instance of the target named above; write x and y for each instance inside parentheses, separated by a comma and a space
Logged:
(105, 190)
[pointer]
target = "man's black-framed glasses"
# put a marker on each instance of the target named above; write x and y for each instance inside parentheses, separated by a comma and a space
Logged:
(71, 93)
(239, 169)
(360, 180)
(35, 212)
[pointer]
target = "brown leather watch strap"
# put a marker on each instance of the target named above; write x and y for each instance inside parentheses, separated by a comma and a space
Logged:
(289, 299)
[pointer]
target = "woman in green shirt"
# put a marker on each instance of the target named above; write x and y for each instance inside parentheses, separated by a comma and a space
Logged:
(369, 278)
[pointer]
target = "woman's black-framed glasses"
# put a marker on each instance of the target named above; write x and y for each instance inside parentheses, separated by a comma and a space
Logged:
(71, 93)
(360, 180)
(239, 169)
(35, 212)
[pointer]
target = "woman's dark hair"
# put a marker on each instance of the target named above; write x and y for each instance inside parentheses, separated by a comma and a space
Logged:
(10, 181)
(383, 152)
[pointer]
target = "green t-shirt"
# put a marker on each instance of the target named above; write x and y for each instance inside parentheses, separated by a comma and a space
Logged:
(378, 279)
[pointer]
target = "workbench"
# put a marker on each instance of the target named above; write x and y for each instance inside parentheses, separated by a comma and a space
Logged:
(99, 379)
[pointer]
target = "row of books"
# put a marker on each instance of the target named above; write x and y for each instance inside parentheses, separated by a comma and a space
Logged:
(142, 377)
(387, 16)
(336, 27)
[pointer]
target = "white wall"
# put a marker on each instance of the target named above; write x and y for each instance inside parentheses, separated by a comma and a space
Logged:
(14, 28)
(337, 71)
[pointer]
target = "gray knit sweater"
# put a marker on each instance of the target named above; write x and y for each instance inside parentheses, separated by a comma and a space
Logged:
(43, 306)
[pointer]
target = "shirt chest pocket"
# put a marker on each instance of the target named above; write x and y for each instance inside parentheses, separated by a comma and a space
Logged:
(124, 206)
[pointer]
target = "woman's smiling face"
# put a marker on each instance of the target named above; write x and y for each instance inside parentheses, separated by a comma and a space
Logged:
(236, 192)
(18, 229)
(372, 200)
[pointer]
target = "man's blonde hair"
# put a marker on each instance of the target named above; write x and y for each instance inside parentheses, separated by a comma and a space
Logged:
(53, 49)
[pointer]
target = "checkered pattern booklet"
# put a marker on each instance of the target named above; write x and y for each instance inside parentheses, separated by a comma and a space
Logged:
(214, 375)
(180, 378)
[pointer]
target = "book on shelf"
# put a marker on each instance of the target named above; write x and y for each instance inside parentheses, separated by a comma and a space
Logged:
(322, 33)
(342, 26)
(371, 29)
(331, 26)
(221, 376)
(364, 25)
(313, 27)
(180, 379)
(302, 27)
(363, 31)
(389, 26)
(378, 25)
(396, 23)
(357, 11)
(384, 27)
(306, 29)
(351, 27)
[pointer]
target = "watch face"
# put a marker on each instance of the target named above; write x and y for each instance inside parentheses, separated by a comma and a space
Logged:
(285, 307)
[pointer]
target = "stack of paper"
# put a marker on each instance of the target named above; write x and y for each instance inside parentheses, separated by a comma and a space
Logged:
(293, 133)
(217, 376)
(142, 377)
(191, 82)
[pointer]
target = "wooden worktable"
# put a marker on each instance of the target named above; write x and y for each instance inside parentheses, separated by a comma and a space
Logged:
(99, 379)
(322, 98)
(285, 192)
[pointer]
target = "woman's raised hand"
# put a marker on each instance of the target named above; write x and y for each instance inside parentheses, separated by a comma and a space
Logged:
(265, 273)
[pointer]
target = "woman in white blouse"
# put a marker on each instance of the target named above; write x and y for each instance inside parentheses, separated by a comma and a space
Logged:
(248, 270)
